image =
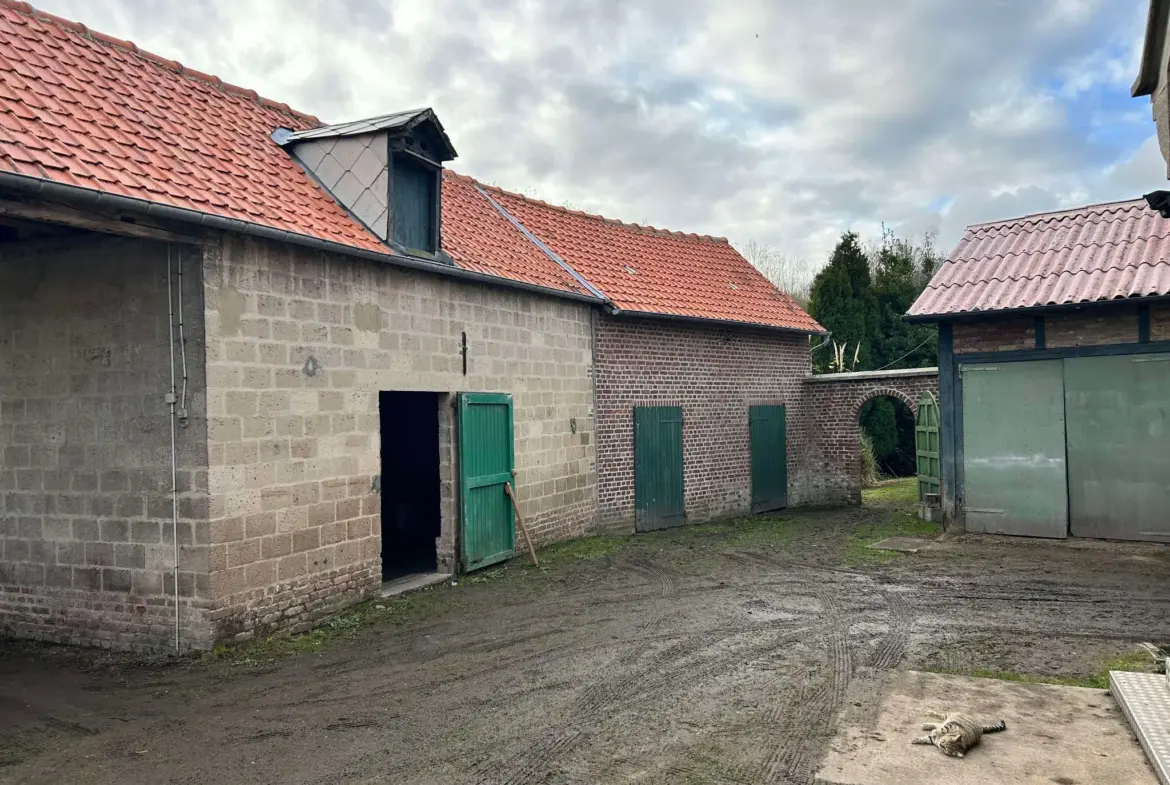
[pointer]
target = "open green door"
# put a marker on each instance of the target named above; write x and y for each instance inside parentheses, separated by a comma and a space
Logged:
(658, 468)
(1119, 446)
(486, 460)
(769, 455)
(1014, 477)
(926, 446)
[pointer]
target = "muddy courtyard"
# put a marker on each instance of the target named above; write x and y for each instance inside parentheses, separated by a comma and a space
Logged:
(710, 654)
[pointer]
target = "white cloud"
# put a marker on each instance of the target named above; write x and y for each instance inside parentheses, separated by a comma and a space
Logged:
(783, 121)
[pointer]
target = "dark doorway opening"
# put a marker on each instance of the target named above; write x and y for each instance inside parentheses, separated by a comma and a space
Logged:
(410, 482)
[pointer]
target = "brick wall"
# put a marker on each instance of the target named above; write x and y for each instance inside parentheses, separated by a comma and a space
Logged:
(1091, 328)
(714, 374)
(85, 470)
(833, 456)
(294, 524)
(994, 335)
(1160, 322)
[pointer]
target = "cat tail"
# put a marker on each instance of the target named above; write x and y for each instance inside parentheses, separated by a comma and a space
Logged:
(996, 728)
(922, 740)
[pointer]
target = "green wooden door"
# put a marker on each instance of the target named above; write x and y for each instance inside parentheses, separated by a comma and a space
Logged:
(1014, 479)
(926, 445)
(767, 427)
(1119, 446)
(487, 528)
(658, 468)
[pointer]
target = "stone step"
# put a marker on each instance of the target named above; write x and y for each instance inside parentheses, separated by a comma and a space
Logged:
(1145, 700)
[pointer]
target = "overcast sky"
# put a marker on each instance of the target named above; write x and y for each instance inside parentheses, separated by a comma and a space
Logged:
(783, 121)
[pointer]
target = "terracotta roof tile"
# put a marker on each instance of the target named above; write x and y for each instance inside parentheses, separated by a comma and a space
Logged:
(85, 109)
(1101, 252)
(649, 270)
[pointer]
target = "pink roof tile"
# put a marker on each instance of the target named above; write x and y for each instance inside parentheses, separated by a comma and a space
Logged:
(1102, 252)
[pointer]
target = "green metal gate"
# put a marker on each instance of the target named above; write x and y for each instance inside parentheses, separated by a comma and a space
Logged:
(767, 427)
(926, 446)
(1118, 411)
(487, 528)
(1013, 454)
(658, 468)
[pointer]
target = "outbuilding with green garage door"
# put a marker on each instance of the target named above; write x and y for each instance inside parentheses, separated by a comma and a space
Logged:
(1054, 374)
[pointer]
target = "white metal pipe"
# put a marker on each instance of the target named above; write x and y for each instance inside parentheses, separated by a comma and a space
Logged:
(171, 398)
(182, 343)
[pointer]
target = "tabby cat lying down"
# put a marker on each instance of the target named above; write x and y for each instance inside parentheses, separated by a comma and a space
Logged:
(956, 734)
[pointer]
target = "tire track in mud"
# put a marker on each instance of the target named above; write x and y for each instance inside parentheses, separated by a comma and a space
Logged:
(893, 645)
(650, 682)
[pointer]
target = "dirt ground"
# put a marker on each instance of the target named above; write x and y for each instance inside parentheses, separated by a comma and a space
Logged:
(710, 654)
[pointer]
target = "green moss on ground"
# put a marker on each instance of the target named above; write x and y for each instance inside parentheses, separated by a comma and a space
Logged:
(1136, 660)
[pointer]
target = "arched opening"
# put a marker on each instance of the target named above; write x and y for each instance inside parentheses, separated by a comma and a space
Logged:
(886, 425)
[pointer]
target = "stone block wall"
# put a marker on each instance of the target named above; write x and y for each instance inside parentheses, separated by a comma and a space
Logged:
(86, 543)
(299, 344)
(714, 373)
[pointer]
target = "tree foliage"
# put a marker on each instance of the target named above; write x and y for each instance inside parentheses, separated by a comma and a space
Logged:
(789, 274)
(861, 297)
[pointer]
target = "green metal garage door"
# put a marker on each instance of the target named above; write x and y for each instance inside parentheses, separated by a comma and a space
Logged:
(1013, 448)
(1118, 411)
(658, 468)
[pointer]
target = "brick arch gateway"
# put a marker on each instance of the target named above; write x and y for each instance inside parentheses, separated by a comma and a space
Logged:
(830, 468)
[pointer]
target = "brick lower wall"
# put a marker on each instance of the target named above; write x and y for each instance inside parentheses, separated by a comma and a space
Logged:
(1160, 322)
(86, 545)
(998, 335)
(295, 524)
(714, 373)
(832, 460)
(1091, 328)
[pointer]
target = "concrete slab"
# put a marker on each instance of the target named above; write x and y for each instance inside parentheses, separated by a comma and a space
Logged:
(903, 544)
(1064, 735)
(411, 583)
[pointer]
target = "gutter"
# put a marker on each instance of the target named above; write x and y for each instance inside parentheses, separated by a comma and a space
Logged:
(1151, 57)
(702, 320)
(1032, 310)
(90, 198)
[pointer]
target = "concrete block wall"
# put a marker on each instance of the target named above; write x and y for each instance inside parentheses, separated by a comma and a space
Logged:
(833, 406)
(86, 544)
(714, 373)
(299, 344)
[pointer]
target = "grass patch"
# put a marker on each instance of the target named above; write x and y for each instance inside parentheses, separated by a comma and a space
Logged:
(1137, 661)
(902, 492)
(581, 549)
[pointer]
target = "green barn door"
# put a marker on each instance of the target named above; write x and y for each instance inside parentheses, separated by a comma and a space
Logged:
(658, 468)
(1119, 446)
(1014, 478)
(769, 456)
(487, 529)
(926, 446)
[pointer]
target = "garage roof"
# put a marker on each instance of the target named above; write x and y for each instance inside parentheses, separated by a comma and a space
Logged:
(1098, 253)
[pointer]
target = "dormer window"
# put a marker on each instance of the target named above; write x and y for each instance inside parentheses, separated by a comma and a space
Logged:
(415, 185)
(386, 172)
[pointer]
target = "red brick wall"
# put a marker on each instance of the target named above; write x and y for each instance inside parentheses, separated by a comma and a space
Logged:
(1091, 328)
(994, 335)
(1160, 322)
(714, 374)
(832, 459)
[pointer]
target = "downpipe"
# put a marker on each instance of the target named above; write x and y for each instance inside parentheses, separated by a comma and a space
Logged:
(172, 401)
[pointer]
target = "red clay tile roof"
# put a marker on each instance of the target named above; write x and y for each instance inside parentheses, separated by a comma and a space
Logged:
(1097, 253)
(648, 270)
(479, 238)
(83, 109)
(86, 110)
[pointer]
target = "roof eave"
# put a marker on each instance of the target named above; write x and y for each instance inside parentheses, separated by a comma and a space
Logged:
(703, 320)
(1151, 58)
(88, 197)
(963, 316)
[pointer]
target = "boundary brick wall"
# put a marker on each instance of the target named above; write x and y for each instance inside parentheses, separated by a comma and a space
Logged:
(86, 545)
(833, 458)
(714, 373)
(295, 526)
